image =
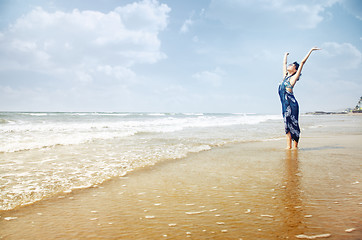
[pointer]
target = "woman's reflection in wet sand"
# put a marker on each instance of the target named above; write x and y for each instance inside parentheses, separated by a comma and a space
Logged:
(292, 214)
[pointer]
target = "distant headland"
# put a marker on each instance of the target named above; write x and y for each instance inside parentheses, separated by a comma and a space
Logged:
(356, 109)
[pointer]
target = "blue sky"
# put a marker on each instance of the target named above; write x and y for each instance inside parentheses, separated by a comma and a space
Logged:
(177, 56)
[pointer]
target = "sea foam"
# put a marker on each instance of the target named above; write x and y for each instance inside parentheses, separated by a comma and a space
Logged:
(50, 153)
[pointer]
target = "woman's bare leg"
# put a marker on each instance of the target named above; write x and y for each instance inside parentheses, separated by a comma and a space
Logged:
(295, 144)
(289, 140)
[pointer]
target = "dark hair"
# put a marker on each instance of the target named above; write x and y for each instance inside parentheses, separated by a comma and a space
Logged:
(296, 65)
(296, 68)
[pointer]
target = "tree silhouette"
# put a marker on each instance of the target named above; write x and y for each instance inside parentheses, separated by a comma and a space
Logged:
(358, 106)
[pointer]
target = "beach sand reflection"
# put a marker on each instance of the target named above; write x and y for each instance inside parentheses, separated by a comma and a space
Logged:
(292, 214)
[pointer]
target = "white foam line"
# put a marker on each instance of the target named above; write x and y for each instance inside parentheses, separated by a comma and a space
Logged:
(303, 236)
(194, 213)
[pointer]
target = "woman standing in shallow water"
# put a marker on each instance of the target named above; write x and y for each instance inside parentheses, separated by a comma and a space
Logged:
(290, 107)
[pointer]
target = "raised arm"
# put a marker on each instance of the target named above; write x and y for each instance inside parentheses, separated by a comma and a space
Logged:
(285, 64)
(294, 79)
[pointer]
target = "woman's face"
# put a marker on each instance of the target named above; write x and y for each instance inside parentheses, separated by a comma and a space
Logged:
(291, 68)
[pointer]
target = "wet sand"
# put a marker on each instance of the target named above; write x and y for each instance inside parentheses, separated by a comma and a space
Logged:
(254, 190)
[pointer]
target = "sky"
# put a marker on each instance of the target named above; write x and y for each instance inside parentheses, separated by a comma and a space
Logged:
(216, 56)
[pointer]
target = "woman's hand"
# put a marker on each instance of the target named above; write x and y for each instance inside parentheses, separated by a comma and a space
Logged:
(306, 57)
(285, 64)
(314, 49)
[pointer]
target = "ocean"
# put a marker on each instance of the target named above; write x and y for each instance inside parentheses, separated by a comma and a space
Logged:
(47, 153)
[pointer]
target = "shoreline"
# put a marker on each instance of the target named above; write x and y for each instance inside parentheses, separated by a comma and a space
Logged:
(334, 113)
(251, 190)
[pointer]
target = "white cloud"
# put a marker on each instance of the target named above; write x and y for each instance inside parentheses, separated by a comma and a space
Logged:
(186, 25)
(214, 77)
(84, 77)
(339, 56)
(148, 15)
(117, 72)
(277, 13)
(202, 12)
(78, 42)
(306, 16)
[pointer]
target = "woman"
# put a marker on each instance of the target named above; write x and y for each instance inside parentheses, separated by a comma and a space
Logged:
(290, 107)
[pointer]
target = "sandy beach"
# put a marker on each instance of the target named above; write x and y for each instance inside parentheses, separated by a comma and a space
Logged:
(251, 190)
(167, 120)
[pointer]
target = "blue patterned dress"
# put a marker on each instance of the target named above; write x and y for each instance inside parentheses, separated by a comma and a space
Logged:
(290, 109)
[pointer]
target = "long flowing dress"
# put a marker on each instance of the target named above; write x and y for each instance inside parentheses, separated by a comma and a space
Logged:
(290, 110)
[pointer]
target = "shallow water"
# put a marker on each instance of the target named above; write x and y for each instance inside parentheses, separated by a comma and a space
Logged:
(42, 154)
(243, 191)
(252, 190)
